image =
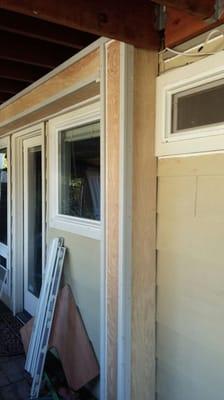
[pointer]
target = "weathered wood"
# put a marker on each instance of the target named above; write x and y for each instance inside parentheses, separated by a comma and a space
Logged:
(47, 31)
(131, 22)
(201, 8)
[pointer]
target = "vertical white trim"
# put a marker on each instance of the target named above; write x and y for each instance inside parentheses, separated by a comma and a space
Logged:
(103, 296)
(30, 301)
(17, 213)
(125, 224)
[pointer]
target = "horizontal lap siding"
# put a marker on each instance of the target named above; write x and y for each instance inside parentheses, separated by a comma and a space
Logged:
(190, 276)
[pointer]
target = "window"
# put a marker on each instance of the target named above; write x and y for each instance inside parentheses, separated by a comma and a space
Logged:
(3, 196)
(75, 165)
(189, 108)
(79, 171)
(198, 107)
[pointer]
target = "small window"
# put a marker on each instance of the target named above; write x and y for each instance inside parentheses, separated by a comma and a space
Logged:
(189, 108)
(75, 172)
(79, 171)
(198, 107)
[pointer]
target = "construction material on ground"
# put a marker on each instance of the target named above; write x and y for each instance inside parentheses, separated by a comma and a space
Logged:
(42, 324)
(69, 337)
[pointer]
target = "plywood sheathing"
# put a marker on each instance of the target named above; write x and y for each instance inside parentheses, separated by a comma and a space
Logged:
(112, 207)
(144, 227)
(78, 72)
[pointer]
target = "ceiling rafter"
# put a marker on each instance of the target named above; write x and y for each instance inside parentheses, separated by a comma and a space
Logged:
(4, 96)
(11, 86)
(32, 51)
(132, 22)
(46, 31)
(21, 72)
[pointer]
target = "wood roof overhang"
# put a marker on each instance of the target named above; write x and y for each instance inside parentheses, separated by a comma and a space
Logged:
(38, 35)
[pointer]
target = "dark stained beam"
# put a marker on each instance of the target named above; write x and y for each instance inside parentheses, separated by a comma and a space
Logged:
(32, 51)
(11, 86)
(129, 21)
(47, 31)
(21, 72)
(201, 8)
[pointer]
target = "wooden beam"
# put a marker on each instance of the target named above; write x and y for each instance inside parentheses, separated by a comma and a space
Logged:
(11, 86)
(32, 51)
(201, 8)
(34, 28)
(132, 22)
(21, 72)
(181, 27)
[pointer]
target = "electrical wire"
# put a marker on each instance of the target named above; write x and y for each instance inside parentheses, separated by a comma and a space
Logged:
(198, 54)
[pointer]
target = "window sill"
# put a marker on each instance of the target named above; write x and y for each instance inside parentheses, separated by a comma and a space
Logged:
(78, 226)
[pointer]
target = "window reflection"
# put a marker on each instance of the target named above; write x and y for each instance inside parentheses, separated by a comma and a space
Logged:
(79, 171)
(3, 196)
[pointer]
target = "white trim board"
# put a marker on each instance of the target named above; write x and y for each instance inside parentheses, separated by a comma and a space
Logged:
(17, 215)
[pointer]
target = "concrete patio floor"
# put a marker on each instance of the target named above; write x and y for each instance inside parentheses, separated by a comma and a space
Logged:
(13, 380)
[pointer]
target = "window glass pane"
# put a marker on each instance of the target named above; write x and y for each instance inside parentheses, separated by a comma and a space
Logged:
(35, 220)
(3, 196)
(79, 171)
(3, 262)
(197, 107)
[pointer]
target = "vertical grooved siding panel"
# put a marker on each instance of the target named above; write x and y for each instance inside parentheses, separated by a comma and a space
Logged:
(190, 278)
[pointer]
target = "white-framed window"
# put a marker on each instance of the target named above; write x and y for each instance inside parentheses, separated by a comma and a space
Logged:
(74, 171)
(189, 108)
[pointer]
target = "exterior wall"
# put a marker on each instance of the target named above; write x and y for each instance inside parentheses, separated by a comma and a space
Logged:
(190, 278)
(82, 273)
